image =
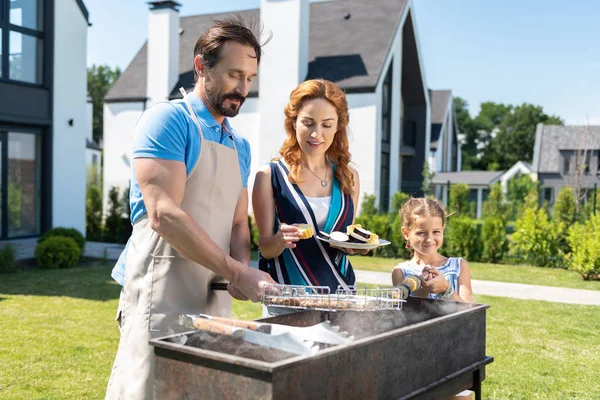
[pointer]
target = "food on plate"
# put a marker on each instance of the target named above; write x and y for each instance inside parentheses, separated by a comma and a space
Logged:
(306, 230)
(339, 236)
(361, 235)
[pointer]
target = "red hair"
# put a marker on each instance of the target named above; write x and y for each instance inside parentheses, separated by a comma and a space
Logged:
(338, 153)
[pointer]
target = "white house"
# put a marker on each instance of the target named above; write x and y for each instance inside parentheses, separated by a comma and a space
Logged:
(369, 48)
(43, 122)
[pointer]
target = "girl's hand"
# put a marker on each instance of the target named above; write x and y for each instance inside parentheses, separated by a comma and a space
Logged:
(287, 236)
(436, 282)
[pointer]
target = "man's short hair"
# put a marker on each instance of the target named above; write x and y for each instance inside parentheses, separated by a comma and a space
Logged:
(211, 42)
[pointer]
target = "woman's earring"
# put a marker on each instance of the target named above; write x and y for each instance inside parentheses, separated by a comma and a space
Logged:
(407, 245)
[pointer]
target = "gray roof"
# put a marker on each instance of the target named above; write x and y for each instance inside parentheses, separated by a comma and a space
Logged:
(438, 100)
(439, 104)
(551, 139)
(468, 177)
(350, 52)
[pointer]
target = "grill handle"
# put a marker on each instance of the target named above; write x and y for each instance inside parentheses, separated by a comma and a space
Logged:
(235, 322)
(219, 285)
(213, 326)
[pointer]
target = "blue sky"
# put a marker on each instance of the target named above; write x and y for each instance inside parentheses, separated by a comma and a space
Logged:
(545, 52)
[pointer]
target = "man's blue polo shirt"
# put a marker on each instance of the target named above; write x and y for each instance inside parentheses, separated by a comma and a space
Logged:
(167, 131)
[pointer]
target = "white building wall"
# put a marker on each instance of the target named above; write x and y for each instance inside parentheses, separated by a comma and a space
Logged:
(163, 54)
(282, 67)
(364, 139)
(69, 102)
(247, 124)
(119, 122)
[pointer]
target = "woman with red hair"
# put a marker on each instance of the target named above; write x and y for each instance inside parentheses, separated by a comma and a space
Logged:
(311, 183)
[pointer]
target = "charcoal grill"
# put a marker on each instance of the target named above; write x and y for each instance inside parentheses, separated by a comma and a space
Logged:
(427, 350)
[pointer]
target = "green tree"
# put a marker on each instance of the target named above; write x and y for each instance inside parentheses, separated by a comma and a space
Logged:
(93, 214)
(537, 238)
(516, 190)
(514, 137)
(495, 242)
(500, 135)
(459, 198)
(565, 209)
(428, 175)
(112, 229)
(495, 206)
(584, 239)
(99, 81)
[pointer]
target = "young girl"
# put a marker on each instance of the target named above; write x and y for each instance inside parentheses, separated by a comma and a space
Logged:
(423, 222)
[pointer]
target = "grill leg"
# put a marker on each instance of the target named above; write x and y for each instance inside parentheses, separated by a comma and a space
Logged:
(477, 383)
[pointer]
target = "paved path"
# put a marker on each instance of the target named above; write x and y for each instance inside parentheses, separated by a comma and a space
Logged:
(503, 289)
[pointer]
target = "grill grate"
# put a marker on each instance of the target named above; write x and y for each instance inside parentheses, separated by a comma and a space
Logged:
(320, 298)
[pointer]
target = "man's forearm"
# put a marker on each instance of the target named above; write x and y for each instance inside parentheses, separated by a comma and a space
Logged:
(240, 242)
(192, 242)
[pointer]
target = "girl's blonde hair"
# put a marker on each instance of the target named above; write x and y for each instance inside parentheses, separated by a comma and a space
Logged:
(421, 207)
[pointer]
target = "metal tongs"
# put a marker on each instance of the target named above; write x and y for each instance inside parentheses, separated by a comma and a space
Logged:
(285, 341)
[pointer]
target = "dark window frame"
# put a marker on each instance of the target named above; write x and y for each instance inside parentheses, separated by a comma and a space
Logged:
(5, 130)
(6, 27)
(386, 138)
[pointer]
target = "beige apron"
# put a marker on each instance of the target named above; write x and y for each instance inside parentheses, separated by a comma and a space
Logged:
(160, 284)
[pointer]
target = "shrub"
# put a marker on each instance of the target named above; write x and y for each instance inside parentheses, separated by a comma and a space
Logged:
(117, 227)
(462, 239)
(57, 252)
(367, 207)
(93, 214)
(7, 259)
(459, 199)
(495, 206)
(565, 208)
(536, 238)
(254, 235)
(72, 233)
(517, 190)
(495, 242)
(584, 240)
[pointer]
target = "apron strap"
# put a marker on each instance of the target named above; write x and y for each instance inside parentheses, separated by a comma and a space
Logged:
(192, 113)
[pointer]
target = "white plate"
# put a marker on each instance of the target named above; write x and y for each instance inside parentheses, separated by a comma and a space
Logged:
(354, 245)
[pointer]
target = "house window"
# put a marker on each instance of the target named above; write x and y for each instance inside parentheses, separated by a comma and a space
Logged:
(20, 183)
(566, 162)
(588, 161)
(94, 159)
(409, 133)
(21, 41)
(386, 134)
(548, 195)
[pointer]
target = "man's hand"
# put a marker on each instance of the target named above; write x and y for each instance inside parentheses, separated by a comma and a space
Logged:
(235, 293)
(249, 283)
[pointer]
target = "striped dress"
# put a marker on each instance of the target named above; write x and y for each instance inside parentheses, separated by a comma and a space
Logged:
(312, 262)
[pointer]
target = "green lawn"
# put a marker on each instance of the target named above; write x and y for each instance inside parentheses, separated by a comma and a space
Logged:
(59, 339)
(495, 272)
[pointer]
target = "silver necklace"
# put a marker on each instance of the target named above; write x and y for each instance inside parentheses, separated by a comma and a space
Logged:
(324, 182)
